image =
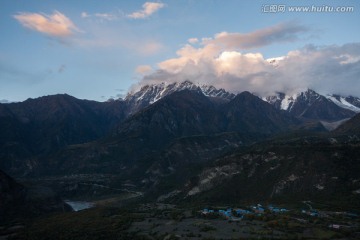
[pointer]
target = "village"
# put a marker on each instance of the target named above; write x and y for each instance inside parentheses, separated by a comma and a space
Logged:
(260, 212)
(267, 221)
(239, 213)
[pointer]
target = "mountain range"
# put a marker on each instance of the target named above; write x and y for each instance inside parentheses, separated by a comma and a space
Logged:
(311, 105)
(149, 94)
(180, 139)
(306, 104)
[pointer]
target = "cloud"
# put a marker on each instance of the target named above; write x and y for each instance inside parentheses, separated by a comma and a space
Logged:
(148, 9)
(85, 15)
(328, 69)
(231, 70)
(283, 32)
(106, 16)
(103, 16)
(55, 25)
(193, 40)
(225, 42)
(221, 62)
(143, 69)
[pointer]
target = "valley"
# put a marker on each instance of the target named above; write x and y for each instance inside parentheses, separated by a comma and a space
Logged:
(180, 147)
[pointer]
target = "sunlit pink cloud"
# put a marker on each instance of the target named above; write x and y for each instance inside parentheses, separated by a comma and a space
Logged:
(55, 25)
(143, 69)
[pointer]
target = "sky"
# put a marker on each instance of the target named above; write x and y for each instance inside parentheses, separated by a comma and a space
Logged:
(97, 50)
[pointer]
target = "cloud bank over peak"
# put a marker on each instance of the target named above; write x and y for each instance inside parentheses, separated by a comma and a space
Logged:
(55, 25)
(220, 61)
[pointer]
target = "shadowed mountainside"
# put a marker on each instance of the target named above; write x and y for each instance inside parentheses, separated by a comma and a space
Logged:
(18, 201)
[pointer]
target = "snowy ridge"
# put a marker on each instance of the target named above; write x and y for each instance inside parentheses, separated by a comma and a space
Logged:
(282, 101)
(150, 94)
(343, 103)
(304, 103)
(286, 102)
(211, 91)
(312, 105)
(153, 93)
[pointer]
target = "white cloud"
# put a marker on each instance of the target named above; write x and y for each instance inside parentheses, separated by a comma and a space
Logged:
(143, 69)
(55, 25)
(85, 15)
(148, 9)
(106, 16)
(323, 68)
(103, 16)
(327, 69)
(193, 40)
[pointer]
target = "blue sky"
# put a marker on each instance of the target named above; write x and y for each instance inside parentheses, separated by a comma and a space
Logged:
(100, 49)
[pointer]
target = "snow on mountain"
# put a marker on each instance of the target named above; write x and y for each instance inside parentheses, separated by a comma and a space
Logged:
(211, 91)
(149, 94)
(286, 102)
(351, 103)
(353, 100)
(312, 105)
(304, 104)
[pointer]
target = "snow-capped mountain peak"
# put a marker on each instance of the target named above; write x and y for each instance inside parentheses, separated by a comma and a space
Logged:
(303, 103)
(312, 105)
(149, 94)
(211, 91)
(287, 101)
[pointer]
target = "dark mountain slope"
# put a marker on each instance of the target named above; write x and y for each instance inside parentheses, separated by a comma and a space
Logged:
(324, 109)
(15, 148)
(44, 125)
(149, 137)
(350, 127)
(19, 202)
(10, 127)
(183, 113)
(248, 113)
(140, 137)
(11, 192)
(59, 120)
(289, 169)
